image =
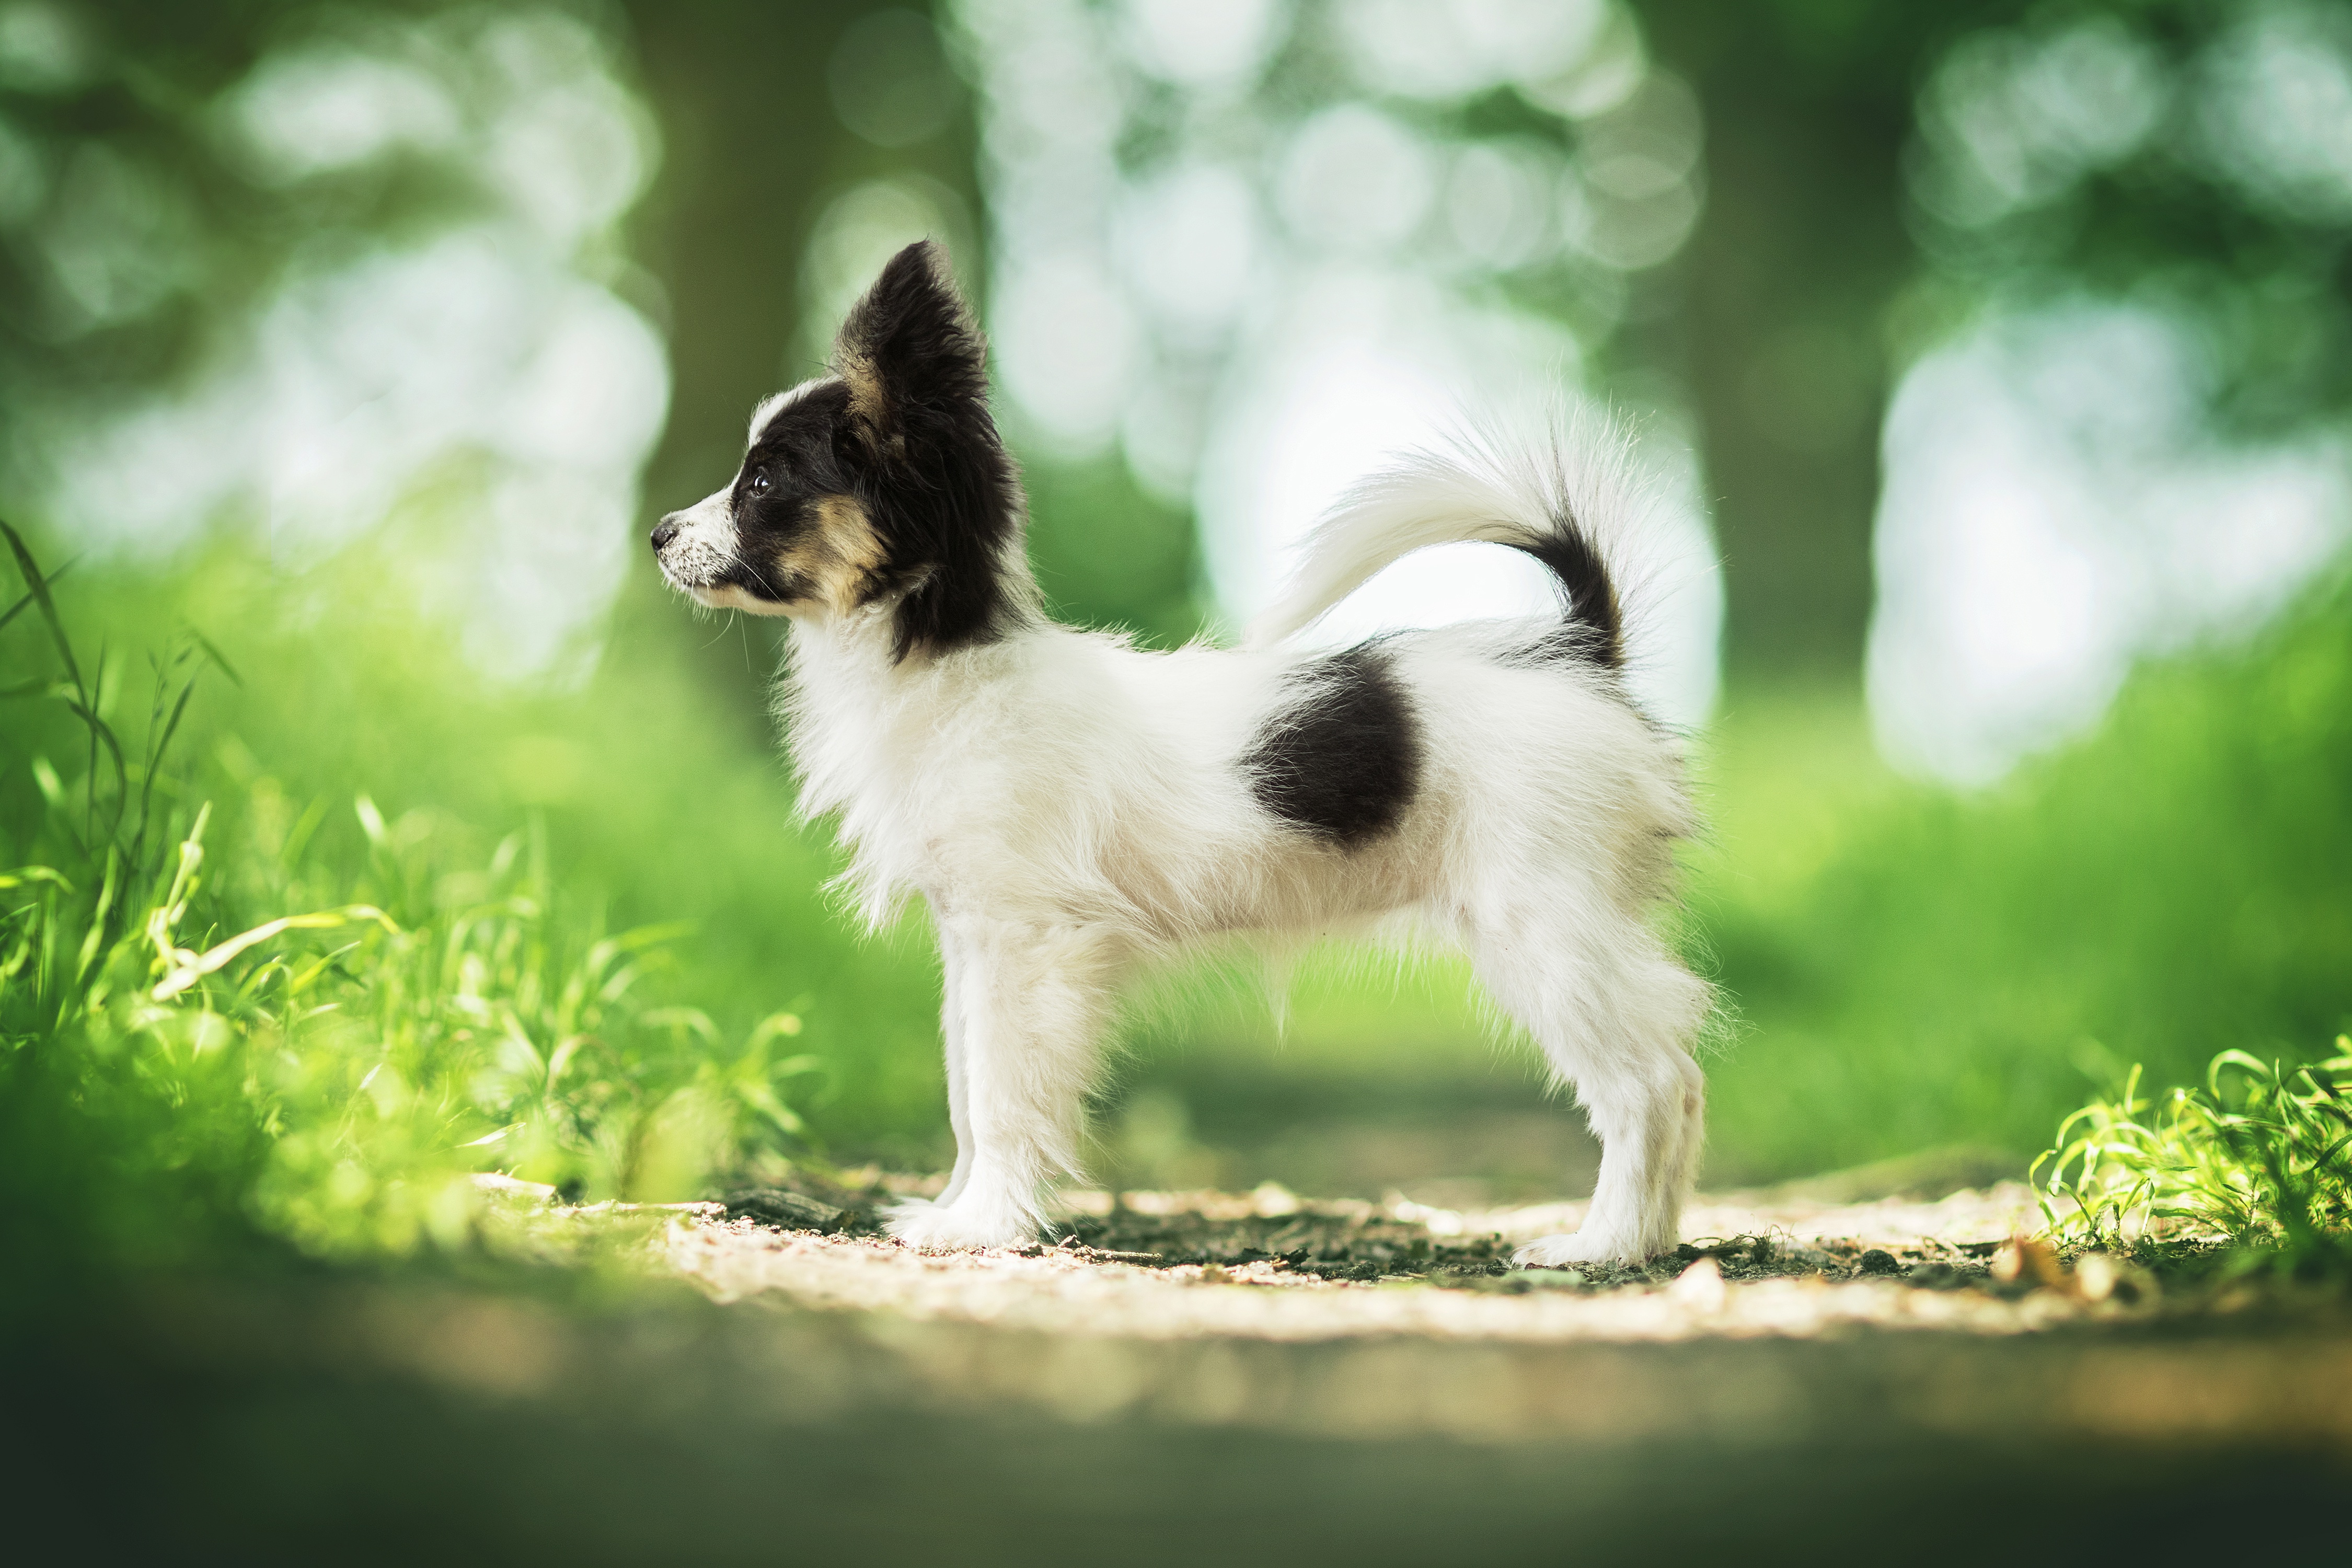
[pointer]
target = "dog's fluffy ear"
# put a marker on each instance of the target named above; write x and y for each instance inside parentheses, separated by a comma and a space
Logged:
(910, 348)
(928, 466)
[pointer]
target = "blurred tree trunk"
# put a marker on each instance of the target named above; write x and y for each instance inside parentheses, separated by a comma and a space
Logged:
(1789, 278)
(751, 151)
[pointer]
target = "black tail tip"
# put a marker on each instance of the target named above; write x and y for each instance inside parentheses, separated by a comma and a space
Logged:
(1591, 594)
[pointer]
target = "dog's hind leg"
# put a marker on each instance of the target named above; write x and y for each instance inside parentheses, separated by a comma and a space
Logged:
(958, 1094)
(1614, 1015)
(1027, 1002)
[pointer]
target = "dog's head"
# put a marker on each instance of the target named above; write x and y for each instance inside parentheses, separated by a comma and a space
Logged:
(884, 484)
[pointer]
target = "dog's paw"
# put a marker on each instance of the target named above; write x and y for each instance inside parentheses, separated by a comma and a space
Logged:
(1579, 1247)
(948, 1227)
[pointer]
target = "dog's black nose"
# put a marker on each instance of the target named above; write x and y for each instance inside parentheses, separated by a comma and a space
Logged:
(664, 532)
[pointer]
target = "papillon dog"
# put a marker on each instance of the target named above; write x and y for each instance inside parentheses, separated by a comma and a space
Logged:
(1074, 808)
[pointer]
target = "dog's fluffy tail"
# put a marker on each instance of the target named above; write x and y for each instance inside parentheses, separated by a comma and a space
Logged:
(1561, 497)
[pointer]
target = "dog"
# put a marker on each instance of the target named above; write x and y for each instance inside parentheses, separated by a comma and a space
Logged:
(1074, 808)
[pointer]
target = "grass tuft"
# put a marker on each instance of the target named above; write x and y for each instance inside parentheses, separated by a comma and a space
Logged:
(2260, 1155)
(265, 1041)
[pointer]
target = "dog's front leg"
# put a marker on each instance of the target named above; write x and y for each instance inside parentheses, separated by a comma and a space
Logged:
(1025, 1001)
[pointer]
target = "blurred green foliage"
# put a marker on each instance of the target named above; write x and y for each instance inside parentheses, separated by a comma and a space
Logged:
(1912, 966)
(1877, 174)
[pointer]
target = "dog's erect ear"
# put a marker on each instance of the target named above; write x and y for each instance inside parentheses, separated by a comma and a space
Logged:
(910, 347)
(926, 461)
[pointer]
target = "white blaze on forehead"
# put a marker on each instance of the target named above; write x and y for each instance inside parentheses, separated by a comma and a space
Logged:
(772, 406)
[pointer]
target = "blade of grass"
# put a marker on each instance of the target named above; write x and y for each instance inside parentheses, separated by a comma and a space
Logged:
(38, 586)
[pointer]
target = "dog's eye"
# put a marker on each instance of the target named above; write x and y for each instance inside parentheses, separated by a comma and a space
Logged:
(758, 483)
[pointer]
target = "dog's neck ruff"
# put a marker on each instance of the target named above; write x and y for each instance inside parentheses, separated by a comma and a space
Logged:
(875, 736)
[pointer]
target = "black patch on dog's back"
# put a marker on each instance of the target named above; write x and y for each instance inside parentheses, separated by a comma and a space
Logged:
(1341, 761)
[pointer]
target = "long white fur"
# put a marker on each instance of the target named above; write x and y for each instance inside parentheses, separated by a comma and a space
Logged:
(1073, 810)
(1484, 482)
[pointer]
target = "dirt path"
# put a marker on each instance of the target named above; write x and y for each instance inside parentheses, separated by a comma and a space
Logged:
(1779, 1322)
(1237, 1377)
(1267, 1266)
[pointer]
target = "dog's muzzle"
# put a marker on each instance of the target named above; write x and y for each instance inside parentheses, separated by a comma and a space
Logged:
(696, 548)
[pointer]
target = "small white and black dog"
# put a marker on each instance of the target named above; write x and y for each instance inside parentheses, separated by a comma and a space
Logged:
(1074, 808)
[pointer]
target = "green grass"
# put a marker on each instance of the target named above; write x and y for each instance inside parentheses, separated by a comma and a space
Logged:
(2257, 1155)
(271, 980)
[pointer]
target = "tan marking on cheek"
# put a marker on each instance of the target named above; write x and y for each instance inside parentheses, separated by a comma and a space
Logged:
(839, 556)
(850, 532)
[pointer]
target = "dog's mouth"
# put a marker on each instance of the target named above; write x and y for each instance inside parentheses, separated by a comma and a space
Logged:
(694, 568)
(720, 581)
